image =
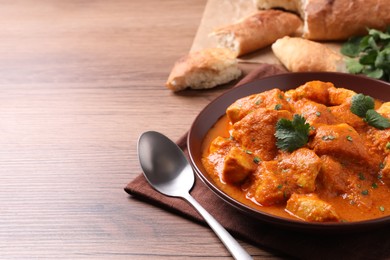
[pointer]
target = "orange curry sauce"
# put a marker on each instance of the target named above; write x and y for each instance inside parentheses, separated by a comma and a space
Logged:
(341, 174)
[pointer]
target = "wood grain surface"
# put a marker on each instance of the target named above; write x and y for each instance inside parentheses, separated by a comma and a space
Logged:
(79, 82)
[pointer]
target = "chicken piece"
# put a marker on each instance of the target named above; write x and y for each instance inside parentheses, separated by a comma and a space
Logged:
(385, 170)
(338, 96)
(343, 113)
(341, 141)
(317, 91)
(384, 110)
(271, 99)
(333, 177)
(377, 142)
(256, 131)
(341, 99)
(310, 208)
(295, 172)
(230, 163)
(218, 149)
(348, 181)
(314, 113)
(220, 144)
(238, 164)
(271, 189)
(301, 168)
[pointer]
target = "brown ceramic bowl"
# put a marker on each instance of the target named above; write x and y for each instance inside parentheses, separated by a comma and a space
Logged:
(212, 112)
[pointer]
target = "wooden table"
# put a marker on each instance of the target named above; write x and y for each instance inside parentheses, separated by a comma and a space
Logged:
(79, 82)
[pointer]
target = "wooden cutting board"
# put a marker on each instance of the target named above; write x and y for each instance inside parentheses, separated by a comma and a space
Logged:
(218, 13)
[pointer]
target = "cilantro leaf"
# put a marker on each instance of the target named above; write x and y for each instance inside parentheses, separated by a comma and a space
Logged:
(373, 73)
(376, 120)
(360, 104)
(363, 106)
(364, 43)
(354, 66)
(292, 134)
(378, 34)
(351, 48)
(369, 57)
(369, 54)
(383, 59)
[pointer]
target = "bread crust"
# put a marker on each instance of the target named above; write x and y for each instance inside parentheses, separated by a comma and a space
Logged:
(257, 31)
(289, 5)
(336, 19)
(202, 69)
(340, 19)
(301, 55)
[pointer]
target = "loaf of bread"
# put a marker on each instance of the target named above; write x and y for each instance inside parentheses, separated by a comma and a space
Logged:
(257, 31)
(336, 19)
(203, 69)
(302, 55)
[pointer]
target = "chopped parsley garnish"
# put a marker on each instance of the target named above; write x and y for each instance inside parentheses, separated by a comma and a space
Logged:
(328, 137)
(382, 165)
(278, 106)
(381, 208)
(388, 146)
(349, 138)
(363, 106)
(256, 160)
(292, 134)
(259, 101)
(364, 192)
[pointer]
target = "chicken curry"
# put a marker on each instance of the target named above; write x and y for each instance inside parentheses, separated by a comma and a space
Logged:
(317, 153)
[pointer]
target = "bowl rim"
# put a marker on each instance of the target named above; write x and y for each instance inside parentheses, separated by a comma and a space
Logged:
(211, 110)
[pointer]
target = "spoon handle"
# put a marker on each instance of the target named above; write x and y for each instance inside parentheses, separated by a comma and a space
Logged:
(231, 244)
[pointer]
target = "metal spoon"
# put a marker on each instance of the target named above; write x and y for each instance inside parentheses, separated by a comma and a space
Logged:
(168, 171)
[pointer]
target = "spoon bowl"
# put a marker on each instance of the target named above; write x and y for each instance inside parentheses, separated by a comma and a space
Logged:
(164, 165)
(168, 171)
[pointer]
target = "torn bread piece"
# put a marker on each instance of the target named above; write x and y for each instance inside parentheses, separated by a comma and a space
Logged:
(301, 55)
(204, 69)
(336, 19)
(257, 31)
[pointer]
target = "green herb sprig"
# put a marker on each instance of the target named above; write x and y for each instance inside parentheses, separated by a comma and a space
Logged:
(363, 106)
(369, 55)
(292, 134)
